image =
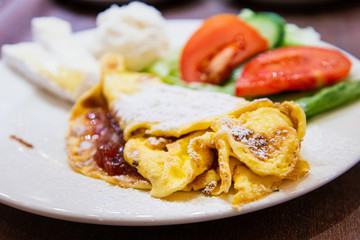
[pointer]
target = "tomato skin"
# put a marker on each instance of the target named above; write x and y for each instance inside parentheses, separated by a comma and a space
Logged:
(226, 34)
(292, 68)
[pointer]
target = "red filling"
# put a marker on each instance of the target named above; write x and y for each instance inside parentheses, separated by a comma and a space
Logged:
(110, 143)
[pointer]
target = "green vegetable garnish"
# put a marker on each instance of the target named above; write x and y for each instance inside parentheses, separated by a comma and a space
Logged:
(270, 25)
(279, 34)
(168, 70)
(330, 97)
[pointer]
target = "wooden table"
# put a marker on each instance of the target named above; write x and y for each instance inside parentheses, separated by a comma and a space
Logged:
(330, 212)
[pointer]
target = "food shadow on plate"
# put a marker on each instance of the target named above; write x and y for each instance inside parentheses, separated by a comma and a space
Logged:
(183, 196)
(289, 186)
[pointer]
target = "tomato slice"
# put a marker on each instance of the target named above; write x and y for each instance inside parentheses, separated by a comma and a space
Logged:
(217, 47)
(292, 68)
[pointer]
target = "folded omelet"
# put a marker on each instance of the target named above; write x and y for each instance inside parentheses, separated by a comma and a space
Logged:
(134, 131)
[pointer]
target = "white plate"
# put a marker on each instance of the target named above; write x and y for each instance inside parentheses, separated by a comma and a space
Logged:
(40, 180)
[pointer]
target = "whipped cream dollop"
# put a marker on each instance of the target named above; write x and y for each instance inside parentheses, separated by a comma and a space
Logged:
(137, 31)
(67, 64)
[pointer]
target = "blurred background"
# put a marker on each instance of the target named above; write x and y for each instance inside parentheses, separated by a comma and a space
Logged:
(337, 21)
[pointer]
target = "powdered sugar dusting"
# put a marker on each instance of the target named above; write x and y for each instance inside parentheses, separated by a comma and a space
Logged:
(258, 144)
(170, 107)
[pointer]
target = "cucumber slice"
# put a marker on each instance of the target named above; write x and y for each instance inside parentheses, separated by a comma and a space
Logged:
(270, 25)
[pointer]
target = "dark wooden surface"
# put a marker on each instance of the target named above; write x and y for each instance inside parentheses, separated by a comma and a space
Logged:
(330, 212)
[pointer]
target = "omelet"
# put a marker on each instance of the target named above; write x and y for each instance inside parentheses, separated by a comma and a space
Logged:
(171, 168)
(170, 139)
(144, 105)
(265, 138)
(83, 143)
